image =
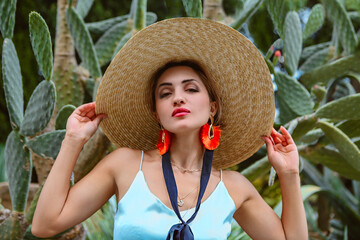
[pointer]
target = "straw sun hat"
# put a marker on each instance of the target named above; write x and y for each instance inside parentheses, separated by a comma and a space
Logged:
(227, 58)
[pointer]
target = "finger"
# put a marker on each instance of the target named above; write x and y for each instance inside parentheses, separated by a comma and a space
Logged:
(287, 135)
(275, 138)
(278, 135)
(99, 118)
(269, 144)
(86, 108)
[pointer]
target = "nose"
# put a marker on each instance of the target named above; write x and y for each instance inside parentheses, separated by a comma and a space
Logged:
(178, 100)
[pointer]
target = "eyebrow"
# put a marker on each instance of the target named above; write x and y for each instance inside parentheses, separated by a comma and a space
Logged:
(183, 81)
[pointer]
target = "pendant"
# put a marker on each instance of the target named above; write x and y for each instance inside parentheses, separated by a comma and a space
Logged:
(180, 203)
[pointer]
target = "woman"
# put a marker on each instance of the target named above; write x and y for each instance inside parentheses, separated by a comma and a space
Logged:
(186, 76)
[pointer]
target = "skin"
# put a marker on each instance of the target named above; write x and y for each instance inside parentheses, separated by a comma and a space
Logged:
(61, 207)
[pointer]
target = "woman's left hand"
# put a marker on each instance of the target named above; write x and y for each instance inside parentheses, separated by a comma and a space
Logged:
(282, 152)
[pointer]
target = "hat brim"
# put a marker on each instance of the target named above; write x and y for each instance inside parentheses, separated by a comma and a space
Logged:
(227, 57)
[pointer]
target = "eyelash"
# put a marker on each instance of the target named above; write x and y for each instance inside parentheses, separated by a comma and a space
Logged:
(189, 90)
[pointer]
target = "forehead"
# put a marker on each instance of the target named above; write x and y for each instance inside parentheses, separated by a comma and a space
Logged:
(178, 73)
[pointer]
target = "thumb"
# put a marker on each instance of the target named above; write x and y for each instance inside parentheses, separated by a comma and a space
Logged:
(269, 144)
(99, 118)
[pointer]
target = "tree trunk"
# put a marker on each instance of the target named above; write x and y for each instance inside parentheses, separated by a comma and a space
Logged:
(213, 10)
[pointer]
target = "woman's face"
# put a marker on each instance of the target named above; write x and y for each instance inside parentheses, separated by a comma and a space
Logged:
(182, 101)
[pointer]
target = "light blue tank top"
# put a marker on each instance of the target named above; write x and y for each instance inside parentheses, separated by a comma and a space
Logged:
(141, 215)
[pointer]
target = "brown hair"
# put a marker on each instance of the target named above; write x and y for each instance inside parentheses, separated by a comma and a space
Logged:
(209, 85)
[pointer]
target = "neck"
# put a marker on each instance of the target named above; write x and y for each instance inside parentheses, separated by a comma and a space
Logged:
(187, 150)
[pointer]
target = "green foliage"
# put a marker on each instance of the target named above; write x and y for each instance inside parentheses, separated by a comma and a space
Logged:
(343, 27)
(108, 42)
(332, 70)
(101, 224)
(18, 168)
(83, 42)
(332, 159)
(12, 84)
(316, 60)
(3, 177)
(122, 42)
(294, 96)
(39, 109)
(292, 42)
(193, 8)
(246, 12)
(52, 141)
(41, 44)
(258, 169)
(140, 14)
(7, 17)
(102, 26)
(306, 192)
(278, 10)
(343, 201)
(315, 21)
(11, 228)
(63, 115)
(320, 107)
(341, 109)
(83, 7)
(343, 143)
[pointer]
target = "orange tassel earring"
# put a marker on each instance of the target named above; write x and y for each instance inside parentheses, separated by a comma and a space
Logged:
(210, 135)
(164, 141)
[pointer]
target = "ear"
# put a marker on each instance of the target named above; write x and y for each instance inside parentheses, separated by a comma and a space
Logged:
(213, 108)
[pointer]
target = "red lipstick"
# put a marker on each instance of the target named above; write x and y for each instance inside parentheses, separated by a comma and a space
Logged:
(179, 112)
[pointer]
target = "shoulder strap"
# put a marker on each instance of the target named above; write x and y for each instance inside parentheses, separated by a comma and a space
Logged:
(220, 175)
(142, 157)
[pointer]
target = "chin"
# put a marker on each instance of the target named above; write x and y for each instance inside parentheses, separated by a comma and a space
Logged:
(184, 128)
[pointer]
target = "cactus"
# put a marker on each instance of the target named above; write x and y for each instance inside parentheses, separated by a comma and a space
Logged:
(40, 108)
(315, 21)
(193, 8)
(18, 168)
(51, 139)
(63, 115)
(316, 101)
(292, 42)
(342, 109)
(83, 42)
(41, 43)
(12, 84)
(342, 25)
(7, 18)
(108, 42)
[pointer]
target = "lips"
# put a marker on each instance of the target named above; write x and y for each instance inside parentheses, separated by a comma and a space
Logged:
(179, 112)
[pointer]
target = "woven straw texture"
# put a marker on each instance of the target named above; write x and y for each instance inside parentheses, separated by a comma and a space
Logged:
(228, 58)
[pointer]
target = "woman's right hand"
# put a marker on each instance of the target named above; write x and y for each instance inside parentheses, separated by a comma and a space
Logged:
(83, 122)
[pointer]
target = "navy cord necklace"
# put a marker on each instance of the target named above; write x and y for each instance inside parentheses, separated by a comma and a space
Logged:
(182, 230)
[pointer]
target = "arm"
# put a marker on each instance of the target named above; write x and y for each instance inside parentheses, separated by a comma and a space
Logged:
(60, 207)
(256, 217)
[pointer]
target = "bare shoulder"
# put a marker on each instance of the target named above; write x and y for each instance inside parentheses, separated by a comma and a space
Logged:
(238, 186)
(122, 159)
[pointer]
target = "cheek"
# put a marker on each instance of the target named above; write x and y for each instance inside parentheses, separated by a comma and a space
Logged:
(160, 110)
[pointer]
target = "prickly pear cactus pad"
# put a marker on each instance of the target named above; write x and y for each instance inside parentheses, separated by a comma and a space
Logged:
(12, 81)
(63, 115)
(13, 227)
(48, 144)
(41, 44)
(342, 109)
(18, 169)
(7, 18)
(39, 109)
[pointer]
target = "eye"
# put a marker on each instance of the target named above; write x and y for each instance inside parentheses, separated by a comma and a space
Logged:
(164, 94)
(192, 90)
